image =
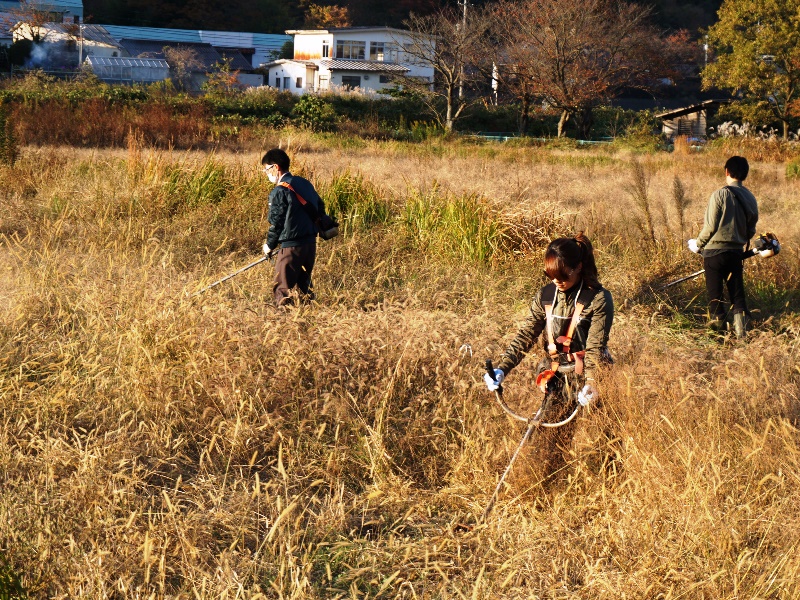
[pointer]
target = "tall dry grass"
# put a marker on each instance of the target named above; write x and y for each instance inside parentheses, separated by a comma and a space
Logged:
(158, 446)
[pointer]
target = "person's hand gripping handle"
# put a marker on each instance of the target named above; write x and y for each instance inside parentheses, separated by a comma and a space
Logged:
(493, 378)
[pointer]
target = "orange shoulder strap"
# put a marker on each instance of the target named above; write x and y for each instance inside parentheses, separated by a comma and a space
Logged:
(291, 189)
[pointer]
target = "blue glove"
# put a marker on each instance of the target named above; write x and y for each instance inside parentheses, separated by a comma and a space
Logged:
(494, 384)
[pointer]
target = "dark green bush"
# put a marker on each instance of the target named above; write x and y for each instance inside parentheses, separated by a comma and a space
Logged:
(314, 112)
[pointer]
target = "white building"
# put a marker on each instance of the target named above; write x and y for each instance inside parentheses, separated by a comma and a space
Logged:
(367, 58)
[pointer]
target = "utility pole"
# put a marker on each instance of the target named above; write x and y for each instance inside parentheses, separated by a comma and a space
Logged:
(80, 50)
(463, 36)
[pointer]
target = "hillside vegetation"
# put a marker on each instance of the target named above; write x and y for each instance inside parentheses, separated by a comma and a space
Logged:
(159, 445)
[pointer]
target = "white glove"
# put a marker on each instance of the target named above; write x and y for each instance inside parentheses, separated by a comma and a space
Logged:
(693, 246)
(494, 384)
(267, 249)
(588, 394)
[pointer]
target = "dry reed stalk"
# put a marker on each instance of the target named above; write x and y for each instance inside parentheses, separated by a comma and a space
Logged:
(156, 447)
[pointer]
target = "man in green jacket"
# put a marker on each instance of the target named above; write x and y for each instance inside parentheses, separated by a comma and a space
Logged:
(730, 222)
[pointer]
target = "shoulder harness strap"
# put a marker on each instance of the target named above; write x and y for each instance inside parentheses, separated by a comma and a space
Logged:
(291, 189)
(310, 209)
(585, 298)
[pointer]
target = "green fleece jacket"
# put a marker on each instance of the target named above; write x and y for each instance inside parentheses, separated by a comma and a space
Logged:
(730, 220)
(591, 334)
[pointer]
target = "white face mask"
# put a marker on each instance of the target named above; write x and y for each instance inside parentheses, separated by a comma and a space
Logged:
(273, 178)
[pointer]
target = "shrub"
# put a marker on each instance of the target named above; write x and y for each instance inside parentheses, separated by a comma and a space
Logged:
(313, 112)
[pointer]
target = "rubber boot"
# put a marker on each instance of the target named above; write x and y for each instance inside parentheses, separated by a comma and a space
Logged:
(740, 325)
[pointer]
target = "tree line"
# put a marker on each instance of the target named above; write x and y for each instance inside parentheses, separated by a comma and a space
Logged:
(571, 56)
(275, 16)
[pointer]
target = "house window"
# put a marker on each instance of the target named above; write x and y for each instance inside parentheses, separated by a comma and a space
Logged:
(351, 81)
(350, 49)
(383, 51)
(326, 49)
(385, 79)
(286, 82)
(376, 51)
(299, 82)
(278, 81)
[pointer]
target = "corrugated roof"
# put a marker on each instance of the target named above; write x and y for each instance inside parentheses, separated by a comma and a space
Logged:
(363, 65)
(226, 39)
(206, 53)
(75, 7)
(6, 24)
(102, 61)
(91, 33)
(687, 110)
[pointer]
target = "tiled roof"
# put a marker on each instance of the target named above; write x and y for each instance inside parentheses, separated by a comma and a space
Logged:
(363, 65)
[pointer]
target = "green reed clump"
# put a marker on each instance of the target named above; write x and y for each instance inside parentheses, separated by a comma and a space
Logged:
(356, 203)
(193, 186)
(462, 227)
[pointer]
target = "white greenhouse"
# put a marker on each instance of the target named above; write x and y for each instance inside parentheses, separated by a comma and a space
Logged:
(128, 70)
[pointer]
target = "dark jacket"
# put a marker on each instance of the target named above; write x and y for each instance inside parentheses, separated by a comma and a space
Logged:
(290, 225)
(591, 334)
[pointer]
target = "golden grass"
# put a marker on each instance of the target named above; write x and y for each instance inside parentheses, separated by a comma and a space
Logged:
(158, 446)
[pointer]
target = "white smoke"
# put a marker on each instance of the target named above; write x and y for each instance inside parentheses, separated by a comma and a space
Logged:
(51, 57)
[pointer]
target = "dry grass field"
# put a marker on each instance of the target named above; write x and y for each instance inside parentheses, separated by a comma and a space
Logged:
(155, 445)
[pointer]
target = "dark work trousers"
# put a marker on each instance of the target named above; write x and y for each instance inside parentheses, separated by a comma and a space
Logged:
(726, 268)
(293, 267)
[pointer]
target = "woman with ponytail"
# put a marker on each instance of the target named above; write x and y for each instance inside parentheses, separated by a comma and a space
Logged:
(573, 344)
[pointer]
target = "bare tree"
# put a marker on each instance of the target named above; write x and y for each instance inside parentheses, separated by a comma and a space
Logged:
(183, 61)
(447, 40)
(574, 54)
(29, 21)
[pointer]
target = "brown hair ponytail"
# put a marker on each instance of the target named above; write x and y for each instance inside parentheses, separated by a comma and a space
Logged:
(565, 254)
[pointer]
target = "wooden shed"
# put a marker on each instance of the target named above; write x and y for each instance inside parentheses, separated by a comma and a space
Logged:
(688, 121)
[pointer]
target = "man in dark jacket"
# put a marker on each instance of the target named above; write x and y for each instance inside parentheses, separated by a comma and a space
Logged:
(291, 227)
(729, 224)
